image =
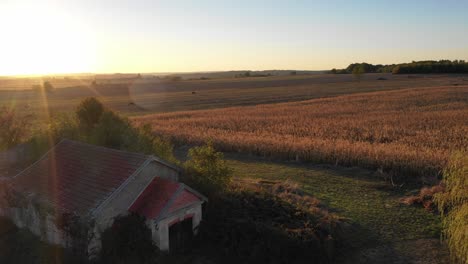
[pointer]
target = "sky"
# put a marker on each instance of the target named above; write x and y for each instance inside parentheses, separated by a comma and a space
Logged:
(138, 36)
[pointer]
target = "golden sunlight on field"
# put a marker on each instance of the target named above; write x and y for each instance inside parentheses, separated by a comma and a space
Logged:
(41, 39)
(408, 132)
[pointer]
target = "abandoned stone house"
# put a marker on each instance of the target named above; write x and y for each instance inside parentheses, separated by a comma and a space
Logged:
(98, 184)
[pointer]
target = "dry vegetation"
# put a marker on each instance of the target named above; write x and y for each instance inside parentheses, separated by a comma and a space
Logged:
(453, 205)
(151, 95)
(424, 197)
(405, 133)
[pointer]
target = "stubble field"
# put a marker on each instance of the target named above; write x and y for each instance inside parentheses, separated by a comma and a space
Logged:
(151, 95)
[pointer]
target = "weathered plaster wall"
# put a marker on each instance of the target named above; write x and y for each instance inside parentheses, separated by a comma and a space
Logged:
(39, 223)
(44, 226)
(120, 203)
(161, 229)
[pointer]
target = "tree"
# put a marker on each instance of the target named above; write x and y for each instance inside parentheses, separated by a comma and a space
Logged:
(48, 87)
(89, 112)
(113, 131)
(396, 70)
(207, 169)
(358, 71)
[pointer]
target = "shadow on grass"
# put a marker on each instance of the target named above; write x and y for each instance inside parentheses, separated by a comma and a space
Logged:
(358, 194)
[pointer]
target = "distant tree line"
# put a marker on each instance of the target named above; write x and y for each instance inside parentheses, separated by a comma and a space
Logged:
(249, 74)
(431, 66)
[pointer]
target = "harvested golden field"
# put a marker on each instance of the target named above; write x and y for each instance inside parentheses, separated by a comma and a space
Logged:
(407, 132)
(149, 95)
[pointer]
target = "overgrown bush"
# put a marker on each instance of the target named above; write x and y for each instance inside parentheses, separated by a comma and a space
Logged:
(12, 128)
(128, 241)
(109, 130)
(453, 204)
(424, 197)
(206, 169)
(112, 131)
(149, 142)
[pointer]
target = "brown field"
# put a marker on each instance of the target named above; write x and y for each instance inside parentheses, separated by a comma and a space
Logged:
(149, 95)
(407, 132)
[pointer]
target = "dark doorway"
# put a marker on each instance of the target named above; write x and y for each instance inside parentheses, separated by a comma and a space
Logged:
(180, 236)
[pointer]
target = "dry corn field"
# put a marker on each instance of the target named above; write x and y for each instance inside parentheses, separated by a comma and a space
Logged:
(408, 133)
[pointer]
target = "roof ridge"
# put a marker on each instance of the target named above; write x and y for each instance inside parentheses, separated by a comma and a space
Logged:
(195, 192)
(155, 158)
(142, 191)
(39, 160)
(100, 205)
(102, 147)
(165, 162)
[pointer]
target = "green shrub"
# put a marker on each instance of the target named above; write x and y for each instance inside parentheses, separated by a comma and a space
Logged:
(207, 170)
(149, 143)
(453, 204)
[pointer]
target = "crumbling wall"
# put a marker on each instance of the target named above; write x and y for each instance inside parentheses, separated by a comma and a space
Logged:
(161, 228)
(40, 222)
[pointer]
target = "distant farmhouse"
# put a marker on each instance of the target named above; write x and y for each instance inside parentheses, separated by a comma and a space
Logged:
(94, 184)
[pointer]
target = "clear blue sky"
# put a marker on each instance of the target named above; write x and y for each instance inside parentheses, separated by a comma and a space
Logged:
(161, 36)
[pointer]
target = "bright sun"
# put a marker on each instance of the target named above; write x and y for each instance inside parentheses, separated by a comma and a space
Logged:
(38, 39)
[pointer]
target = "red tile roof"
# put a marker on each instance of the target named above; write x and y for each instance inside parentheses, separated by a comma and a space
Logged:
(162, 197)
(183, 199)
(77, 177)
(154, 198)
